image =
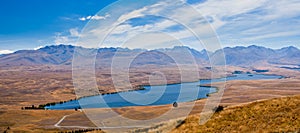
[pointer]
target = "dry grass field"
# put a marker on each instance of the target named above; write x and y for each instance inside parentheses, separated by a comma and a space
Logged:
(237, 93)
(30, 121)
(22, 86)
(26, 86)
(276, 115)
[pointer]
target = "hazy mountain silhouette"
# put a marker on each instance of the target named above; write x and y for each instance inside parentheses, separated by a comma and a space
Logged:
(252, 55)
(237, 56)
(63, 55)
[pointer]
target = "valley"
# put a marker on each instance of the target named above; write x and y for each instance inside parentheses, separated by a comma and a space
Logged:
(26, 79)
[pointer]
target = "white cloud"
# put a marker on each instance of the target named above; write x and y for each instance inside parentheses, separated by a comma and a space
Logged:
(282, 9)
(126, 31)
(6, 52)
(82, 19)
(59, 39)
(275, 35)
(219, 10)
(234, 21)
(253, 21)
(69, 37)
(133, 14)
(74, 32)
(96, 17)
(39, 47)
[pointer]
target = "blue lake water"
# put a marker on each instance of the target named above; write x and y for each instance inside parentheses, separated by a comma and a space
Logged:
(292, 68)
(155, 95)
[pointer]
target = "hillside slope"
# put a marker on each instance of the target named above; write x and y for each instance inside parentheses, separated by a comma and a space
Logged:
(275, 115)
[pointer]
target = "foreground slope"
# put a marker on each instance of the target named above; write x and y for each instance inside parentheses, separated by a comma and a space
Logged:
(275, 115)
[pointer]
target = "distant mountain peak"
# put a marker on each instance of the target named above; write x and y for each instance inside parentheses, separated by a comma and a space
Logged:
(289, 48)
(58, 46)
(255, 46)
(239, 55)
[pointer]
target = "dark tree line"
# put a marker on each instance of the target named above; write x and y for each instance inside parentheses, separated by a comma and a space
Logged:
(81, 131)
(33, 108)
(42, 106)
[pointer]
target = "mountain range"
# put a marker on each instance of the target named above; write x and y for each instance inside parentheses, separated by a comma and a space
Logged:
(236, 56)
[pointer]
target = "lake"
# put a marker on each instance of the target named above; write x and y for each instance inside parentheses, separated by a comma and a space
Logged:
(155, 95)
(292, 68)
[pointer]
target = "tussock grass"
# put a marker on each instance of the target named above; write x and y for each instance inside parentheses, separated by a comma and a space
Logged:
(30, 120)
(275, 115)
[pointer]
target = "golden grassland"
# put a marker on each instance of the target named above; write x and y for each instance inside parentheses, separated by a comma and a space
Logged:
(35, 85)
(24, 86)
(30, 120)
(237, 93)
(241, 93)
(275, 115)
(37, 121)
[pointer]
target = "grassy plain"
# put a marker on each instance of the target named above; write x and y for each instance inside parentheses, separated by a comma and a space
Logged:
(26, 86)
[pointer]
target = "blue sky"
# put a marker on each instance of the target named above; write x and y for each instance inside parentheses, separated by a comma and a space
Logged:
(35, 23)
